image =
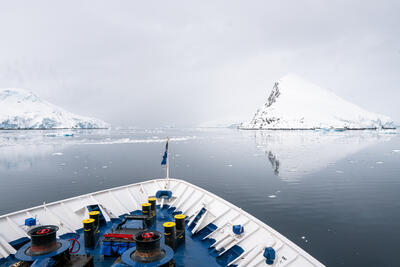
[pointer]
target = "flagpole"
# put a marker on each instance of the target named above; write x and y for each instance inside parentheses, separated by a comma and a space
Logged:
(168, 158)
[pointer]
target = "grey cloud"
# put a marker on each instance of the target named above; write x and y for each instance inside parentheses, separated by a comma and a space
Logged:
(185, 62)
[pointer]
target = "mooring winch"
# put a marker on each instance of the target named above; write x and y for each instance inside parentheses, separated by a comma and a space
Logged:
(45, 249)
(149, 250)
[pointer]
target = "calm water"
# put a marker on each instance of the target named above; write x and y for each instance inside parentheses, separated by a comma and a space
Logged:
(336, 195)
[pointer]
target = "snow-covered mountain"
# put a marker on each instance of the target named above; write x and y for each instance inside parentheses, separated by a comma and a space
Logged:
(297, 104)
(21, 109)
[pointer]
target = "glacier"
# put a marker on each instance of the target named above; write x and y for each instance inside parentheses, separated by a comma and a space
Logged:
(295, 104)
(22, 109)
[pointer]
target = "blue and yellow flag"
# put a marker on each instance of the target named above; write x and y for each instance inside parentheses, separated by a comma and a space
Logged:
(164, 158)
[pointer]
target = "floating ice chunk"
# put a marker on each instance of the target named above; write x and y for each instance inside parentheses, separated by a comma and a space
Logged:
(229, 165)
(304, 238)
(105, 167)
(57, 154)
(272, 196)
(339, 171)
(396, 150)
(86, 167)
(379, 162)
(62, 164)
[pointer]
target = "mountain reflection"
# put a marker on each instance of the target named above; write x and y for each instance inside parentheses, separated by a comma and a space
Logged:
(23, 157)
(274, 162)
(293, 154)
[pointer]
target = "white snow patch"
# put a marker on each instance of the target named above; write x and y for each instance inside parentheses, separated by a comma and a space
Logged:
(57, 154)
(379, 162)
(272, 196)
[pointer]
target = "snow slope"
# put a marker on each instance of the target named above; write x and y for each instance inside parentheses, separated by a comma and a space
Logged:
(21, 109)
(297, 104)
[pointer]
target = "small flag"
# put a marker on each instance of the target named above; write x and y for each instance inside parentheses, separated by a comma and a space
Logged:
(164, 158)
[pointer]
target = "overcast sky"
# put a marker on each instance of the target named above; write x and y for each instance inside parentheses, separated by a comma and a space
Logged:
(157, 63)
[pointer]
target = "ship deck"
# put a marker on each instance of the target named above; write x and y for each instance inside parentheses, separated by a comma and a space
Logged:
(194, 252)
(210, 240)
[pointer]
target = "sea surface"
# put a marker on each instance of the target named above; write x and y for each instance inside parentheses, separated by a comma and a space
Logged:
(335, 194)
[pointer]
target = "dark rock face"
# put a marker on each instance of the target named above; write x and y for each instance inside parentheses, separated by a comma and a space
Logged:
(274, 95)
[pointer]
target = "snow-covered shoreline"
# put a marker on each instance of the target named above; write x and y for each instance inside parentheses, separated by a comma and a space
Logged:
(50, 129)
(316, 129)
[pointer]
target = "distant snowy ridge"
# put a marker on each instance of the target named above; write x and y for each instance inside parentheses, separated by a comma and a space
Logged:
(21, 109)
(297, 104)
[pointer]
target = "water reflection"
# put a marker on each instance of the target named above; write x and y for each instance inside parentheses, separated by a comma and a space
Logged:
(19, 157)
(274, 162)
(21, 150)
(292, 154)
